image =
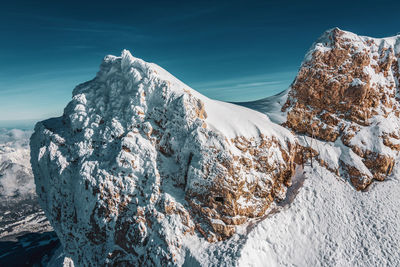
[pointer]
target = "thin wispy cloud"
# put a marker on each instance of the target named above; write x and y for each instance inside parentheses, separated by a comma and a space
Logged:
(250, 80)
(233, 87)
(246, 88)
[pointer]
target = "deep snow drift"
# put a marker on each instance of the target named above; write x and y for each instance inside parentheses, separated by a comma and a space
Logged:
(143, 169)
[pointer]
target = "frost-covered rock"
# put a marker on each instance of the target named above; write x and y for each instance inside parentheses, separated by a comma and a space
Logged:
(139, 160)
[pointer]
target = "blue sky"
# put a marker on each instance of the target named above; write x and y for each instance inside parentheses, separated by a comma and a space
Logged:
(228, 50)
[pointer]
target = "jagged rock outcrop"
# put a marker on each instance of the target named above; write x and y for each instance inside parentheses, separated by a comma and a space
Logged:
(347, 90)
(139, 160)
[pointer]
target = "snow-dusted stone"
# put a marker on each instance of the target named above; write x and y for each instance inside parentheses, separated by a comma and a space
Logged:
(347, 92)
(138, 160)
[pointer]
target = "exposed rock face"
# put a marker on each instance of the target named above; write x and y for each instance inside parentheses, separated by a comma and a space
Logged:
(139, 160)
(348, 89)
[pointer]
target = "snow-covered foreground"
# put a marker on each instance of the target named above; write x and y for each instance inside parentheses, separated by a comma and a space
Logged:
(328, 224)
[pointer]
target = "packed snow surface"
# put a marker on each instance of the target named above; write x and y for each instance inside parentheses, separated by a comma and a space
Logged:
(330, 224)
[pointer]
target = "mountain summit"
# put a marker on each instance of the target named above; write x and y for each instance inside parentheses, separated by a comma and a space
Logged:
(143, 169)
(139, 160)
(347, 91)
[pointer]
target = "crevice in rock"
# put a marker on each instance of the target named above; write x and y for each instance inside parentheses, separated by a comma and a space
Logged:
(187, 168)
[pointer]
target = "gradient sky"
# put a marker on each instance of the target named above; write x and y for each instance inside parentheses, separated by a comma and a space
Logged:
(228, 50)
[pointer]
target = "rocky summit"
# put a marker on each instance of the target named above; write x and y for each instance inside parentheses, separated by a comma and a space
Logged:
(139, 160)
(347, 91)
(139, 163)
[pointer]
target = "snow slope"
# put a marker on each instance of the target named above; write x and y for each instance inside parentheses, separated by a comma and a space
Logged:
(270, 105)
(330, 224)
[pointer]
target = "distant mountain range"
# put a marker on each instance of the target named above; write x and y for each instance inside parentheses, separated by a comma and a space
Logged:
(26, 237)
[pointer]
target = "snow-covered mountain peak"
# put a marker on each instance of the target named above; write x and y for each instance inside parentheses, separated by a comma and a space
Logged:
(141, 160)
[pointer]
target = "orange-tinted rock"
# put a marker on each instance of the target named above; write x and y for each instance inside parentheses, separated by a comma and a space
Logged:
(345, 82)
(232, 198)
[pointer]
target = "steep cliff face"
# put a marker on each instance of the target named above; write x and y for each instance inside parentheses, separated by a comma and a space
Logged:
(347, 90)
(139, 160)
